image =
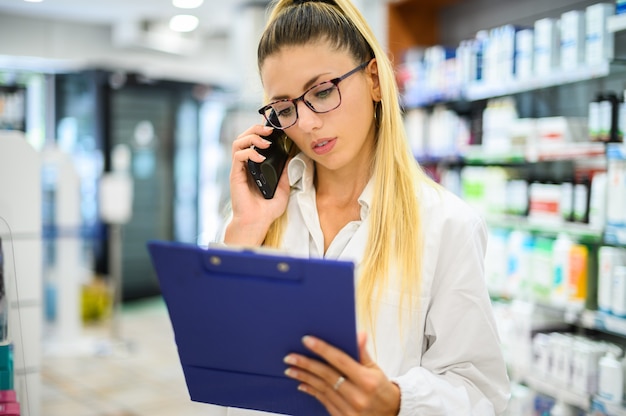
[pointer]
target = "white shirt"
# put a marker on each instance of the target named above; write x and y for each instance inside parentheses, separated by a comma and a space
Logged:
(445, 354)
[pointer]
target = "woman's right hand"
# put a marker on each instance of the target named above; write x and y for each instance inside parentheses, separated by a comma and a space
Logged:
(252, 213)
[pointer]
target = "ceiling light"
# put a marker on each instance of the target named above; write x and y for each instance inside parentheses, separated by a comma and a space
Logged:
(183, 23)
(33, 1)
(187, 4)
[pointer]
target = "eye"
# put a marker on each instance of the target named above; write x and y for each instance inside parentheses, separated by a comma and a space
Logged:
(324, 91)
(283, 109)
(285, 112)
(321, 92)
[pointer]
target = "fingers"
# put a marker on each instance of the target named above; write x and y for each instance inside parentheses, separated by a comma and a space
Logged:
(322, 380)
(343, 385)
(319, 381)
(334, 356)
(243, 146)
(321, 376)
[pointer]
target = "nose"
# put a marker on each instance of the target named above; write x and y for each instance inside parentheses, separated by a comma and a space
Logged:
(308, 120)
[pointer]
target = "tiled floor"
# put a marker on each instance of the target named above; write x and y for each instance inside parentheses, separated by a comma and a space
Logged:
(138, 377)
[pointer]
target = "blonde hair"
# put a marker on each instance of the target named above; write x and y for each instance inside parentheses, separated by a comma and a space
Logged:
(395, 232)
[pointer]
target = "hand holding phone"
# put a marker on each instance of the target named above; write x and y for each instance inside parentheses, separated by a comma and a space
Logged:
(267, 173)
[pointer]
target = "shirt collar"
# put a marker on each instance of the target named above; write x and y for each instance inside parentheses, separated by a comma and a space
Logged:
(301, 170)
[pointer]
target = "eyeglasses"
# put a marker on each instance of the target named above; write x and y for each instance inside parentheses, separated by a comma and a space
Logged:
(320, 98)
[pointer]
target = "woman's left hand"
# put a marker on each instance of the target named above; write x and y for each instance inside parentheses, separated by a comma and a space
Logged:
(342, 385)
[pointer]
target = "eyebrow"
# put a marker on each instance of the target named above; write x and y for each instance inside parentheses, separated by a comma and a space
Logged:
(306, 86)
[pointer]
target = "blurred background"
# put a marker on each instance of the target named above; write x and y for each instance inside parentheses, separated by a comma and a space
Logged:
(116, 119)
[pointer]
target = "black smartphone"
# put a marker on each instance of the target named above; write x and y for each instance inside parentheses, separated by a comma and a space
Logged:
(267, 173)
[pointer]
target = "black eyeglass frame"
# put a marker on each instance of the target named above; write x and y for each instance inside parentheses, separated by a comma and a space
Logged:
(294, 101)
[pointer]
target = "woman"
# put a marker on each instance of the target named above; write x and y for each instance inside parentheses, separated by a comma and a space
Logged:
(354, 192)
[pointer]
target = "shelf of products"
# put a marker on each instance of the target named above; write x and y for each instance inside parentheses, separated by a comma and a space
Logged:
(544, 219)
(475, 155)
(481, 91)
(602, 321)
(582, 232)
(592, 405)
(539, 153)
(547, 387)
(556, 78)
(602, 407)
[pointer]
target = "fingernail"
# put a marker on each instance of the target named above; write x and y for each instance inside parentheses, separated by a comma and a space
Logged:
(267, 141)
(289, 359)
(308, 341)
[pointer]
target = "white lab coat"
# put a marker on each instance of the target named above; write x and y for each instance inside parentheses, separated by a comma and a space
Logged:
(445, 354)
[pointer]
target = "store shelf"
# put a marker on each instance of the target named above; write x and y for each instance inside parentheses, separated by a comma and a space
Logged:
(476, 155)
(604, 322)
(582, 232)
(423, 96)
(549, 388)
(479, 157)
(602, 407)
(481, 91)
(616, 23)
(569, 151)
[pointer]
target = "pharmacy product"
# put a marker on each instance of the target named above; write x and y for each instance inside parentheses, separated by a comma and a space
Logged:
(611, 378)
(616, 199)
(572, 39)
(561, 269)
(547, 44)
(578, 262)
(618, 301)
(608, 259)
(597, 201)
(524, 44)
(599, 41)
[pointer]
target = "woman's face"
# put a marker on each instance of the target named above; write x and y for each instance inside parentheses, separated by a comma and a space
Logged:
(344, 137)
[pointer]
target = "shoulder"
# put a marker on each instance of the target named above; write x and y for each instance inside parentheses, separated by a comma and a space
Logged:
(440, 207)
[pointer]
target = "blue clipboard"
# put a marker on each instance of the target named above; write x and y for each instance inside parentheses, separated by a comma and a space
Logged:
(237, 313)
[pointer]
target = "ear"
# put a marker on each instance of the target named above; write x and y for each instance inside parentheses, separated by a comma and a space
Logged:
(373, 79)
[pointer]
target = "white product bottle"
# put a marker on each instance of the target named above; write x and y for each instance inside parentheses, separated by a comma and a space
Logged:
(597, 201)
(616, 198)
(560, 268)
(611, 377)
(594, 117)
(608, 258)
(618, 302)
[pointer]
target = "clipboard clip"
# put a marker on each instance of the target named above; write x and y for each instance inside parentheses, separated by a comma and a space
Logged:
(223, 262)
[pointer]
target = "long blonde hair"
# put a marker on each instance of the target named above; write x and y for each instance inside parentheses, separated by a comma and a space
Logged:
(395, 235)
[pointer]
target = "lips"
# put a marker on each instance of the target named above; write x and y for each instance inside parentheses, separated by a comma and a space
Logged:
(323, 146)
